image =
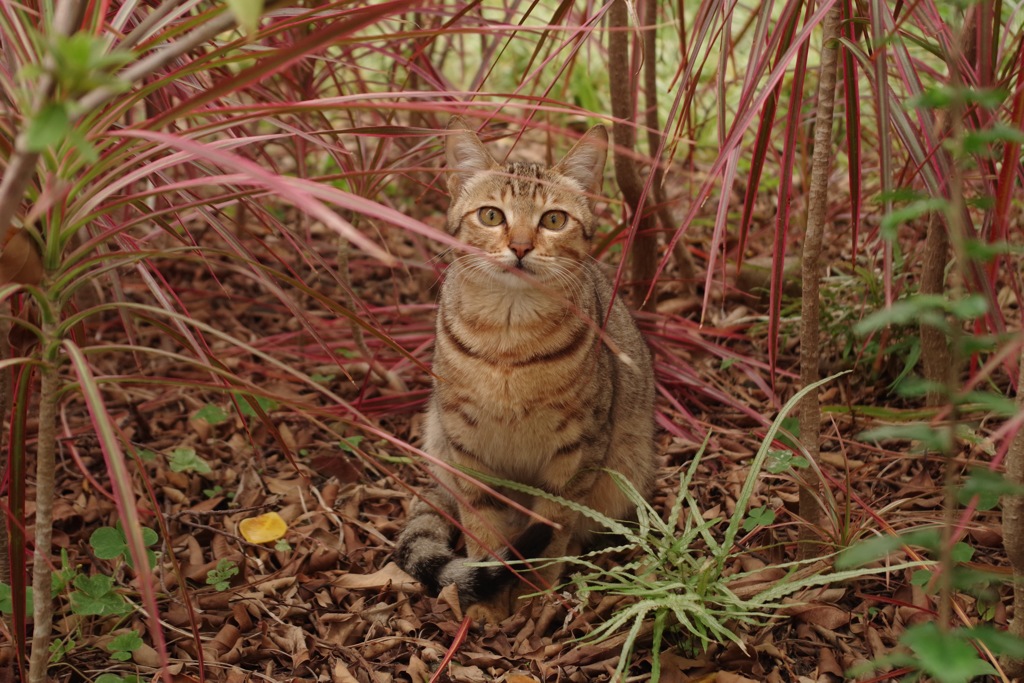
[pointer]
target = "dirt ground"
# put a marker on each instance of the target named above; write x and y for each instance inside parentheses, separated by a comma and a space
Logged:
(333, 607)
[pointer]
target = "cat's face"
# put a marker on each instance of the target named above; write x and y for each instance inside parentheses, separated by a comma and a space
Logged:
(526, 219)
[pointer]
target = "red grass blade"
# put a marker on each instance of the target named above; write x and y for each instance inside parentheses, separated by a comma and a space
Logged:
(124, 495)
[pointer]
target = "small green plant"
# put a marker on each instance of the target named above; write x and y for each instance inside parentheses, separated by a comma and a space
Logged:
(6, 603)
(96, 596)
(220, 576)
(123, 645)
(110, 543)
(761, 516)
(350, 443)
(114, 678)
(59, 581)
(779, 461)
(282, 546)
(60, 647)
(246, 404)
(65, 576)
(146, 455)
(211, 414)
(677, 581)
(950, 320)
(186, 460)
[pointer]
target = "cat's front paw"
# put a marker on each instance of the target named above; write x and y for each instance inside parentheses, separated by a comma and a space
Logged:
(493, 610)
(487, 613)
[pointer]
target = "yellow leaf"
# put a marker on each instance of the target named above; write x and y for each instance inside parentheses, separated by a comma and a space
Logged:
(263, 529)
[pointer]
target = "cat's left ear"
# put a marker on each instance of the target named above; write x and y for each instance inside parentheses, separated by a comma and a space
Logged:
(585, 161)
(465, 154)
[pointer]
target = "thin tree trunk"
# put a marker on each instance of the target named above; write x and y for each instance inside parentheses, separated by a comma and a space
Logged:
(810, 411)
(45, 475)
(936, 358)
(644, 254)
(6, 387)
(1013, 524)
(687, 271)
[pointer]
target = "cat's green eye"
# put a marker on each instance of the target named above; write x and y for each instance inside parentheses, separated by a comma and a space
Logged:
(490, 216)
(553, 220)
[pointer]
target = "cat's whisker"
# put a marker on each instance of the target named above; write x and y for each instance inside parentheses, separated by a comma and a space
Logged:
(439, 257)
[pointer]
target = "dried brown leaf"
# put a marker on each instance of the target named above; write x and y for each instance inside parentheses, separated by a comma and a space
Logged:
(390, 576)
(20, 262)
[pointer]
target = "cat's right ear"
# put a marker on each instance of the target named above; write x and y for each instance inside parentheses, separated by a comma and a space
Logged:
(465, 153)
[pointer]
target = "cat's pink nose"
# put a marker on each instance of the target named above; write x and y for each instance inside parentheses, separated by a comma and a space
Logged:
(520, 249)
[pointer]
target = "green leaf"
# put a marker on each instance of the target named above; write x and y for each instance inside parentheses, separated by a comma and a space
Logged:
(932, 439)
(186, 460)
(94, 595)
(6, 601)
(149, 536)
(245, 405)
(921, 577)
(108, 543)
(946, 656)
(147, 455)
(978, 141)
(350, 443)
(916, 387)
(980, 251)
(970, 307)
(988, 486)
(789, 426)
(60, 647)
(914, 210)
(82, 145)
(904, 312)
(971, 344)
(989, 402)
(122, 646)
(282, 546)
(997, 640)
(778, 461)
(878, 547)
(946, 95)
(62, 578)
(247, 13)
(220, 576)
(211, 414)
(48, 128)
(761, 516)
(962, 552)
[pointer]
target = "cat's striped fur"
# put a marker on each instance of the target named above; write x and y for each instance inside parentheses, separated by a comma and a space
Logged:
(542, 375)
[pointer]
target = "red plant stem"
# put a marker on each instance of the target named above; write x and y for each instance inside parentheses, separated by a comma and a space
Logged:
(460, 636)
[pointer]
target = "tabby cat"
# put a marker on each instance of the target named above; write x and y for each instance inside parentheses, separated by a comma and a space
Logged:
(542, 377)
